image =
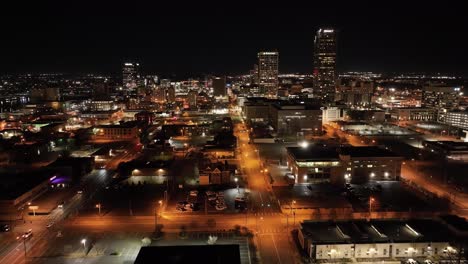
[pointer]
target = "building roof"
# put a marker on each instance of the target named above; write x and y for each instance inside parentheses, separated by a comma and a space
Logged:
(374, 231)
(14, 185)
(130, 124)
(313, 153)
(208, 254)
(449, 145)
(366, 151)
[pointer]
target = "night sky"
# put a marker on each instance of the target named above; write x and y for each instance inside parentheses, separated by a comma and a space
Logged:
(224, 37)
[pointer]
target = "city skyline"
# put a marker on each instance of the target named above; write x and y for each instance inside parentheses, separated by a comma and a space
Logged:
(207, 38)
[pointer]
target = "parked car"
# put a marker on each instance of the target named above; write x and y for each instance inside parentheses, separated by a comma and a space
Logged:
(194, 193)
(4, 228)
(182, 205)
(220, 206)
(195, 206)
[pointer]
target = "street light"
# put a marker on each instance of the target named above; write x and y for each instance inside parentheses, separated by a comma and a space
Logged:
(83, 241)
(371, 199)
(98, 206)
(156, 214)
(236, 180)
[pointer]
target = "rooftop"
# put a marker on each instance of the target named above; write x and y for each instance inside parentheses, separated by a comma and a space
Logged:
(371, 151)
(208, 254)
(14, 185)
(362, 231)
(313, 153)
(449, 145)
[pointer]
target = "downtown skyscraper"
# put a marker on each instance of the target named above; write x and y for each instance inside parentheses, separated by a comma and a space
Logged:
(268, 72)
(325, 49)
(131, 76)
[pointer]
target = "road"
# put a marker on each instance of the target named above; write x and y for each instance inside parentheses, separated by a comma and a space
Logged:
(412, 171)
(13, 251)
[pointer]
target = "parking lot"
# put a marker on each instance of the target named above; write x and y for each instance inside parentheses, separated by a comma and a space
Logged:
(209, 200)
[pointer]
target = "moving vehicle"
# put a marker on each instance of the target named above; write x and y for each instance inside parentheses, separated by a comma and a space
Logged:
(27, 234)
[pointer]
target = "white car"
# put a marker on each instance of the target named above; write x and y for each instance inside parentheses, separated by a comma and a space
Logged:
(194, 193)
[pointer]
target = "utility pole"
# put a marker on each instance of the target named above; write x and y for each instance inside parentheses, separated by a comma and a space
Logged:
(206, 205)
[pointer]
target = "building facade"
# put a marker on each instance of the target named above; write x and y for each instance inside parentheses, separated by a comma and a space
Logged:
(130, 75)
(343, 164)
(268, 72)
(457, 119)
(325, 49)
(296, 119)
(385, 240)
(219, 86)
(414, 114)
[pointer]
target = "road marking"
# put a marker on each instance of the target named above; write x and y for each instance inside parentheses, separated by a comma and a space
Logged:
(276, 248)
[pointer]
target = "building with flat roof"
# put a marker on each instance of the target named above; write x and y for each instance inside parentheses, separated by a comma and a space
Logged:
(292, 119)
(325, 50)
(457, 119)
(311, 163)
(448, 149)
(257, 109)
(414, 114)
(268, 72)
(343, 164)
(363, 240)
(209, 254)
(17, 189)
(125, 131)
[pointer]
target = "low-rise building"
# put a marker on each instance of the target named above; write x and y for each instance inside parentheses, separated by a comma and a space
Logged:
(308, 164)
(16, 190)
(125, 131)
(343, 164)
(363, 164)
(332, 114)
(457, 119)
(296, 119)
(257, 109)
(414, 114)
(384, 240)
(448, 149)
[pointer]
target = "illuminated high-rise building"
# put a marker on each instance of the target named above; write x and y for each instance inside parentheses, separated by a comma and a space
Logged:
(131, 75)
(219, 86)
(325, 50)
(268, 72)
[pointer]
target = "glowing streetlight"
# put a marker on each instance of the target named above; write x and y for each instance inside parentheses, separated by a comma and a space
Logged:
(83, 241)
(156, 215)
(98, 206)
(371, 200)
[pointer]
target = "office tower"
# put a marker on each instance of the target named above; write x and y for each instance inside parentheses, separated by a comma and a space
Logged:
(254, 75)
(268, 72)
(131, 75)
(170, 94)
(219, 86)
(325, 63)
